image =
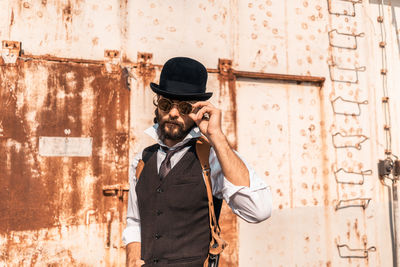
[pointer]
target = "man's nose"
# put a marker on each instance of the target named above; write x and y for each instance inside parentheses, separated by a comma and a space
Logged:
(174, 112)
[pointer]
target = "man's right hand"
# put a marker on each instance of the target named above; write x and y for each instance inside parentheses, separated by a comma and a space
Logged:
(133, 255)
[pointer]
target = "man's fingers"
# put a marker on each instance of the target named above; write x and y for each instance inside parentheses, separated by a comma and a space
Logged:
(193, 116)
(204, 110)
(201, 104)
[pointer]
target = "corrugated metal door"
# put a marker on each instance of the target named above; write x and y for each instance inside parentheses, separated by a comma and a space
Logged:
(63, 164)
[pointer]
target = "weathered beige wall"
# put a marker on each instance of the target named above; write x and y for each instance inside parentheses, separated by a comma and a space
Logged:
(292, 133)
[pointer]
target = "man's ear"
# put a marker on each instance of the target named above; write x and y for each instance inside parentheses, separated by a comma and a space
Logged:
(155, 120)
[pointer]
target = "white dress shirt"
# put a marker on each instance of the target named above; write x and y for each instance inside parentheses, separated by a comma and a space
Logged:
(253, 203)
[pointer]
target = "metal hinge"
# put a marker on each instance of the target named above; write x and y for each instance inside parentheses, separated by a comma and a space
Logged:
(224, 66)
(10, 51)
(112, 60)
(145, 66)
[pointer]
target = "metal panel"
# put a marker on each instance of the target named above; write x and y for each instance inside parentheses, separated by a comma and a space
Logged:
(285, 139)
(56, 210)
(65, 146)
(74, 29)
(284, 144)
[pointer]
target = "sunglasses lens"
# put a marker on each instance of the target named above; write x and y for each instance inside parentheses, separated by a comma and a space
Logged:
(185, 107)
(164, 105)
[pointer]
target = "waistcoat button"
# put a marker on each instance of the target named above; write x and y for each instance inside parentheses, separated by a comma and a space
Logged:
(158, 212)
(159, 190)
(157, 236)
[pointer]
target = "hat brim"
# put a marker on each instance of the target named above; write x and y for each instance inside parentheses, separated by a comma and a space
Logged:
(187, 97)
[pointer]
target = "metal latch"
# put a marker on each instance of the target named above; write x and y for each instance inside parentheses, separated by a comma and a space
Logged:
(10, 51)
(224, 66)
(116, 190)
(112, 60)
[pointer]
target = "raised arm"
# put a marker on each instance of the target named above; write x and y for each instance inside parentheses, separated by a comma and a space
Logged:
(232, 166)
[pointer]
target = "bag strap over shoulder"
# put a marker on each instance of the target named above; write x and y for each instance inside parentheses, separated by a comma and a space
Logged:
(146, 155)
(217, 244)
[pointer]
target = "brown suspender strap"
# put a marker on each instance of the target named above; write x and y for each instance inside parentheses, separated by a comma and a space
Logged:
(217, 244)
(139, 169)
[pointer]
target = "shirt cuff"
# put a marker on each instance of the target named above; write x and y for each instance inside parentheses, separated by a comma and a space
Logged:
(131, 234)
(230, 189)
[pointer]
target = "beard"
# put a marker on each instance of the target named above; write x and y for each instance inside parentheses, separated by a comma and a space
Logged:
(172, 129)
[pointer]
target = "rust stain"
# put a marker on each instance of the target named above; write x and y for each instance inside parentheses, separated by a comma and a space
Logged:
(228, 220)
(67, 13)
(67, 19)
(123, 25)
(145, 69)
(227, 76)
(34, 186)
(61, 59)
(12, 17)
(22, 187)
(229, 232)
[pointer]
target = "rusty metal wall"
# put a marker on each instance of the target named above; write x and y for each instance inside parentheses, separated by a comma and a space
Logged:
(54, 210)
(317, 144)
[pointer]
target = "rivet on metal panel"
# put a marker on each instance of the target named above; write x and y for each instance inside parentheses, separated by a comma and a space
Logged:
(354, 253)
(355, 202)
(343, 106)
(112, 60)
(10, 51)
(347, 141)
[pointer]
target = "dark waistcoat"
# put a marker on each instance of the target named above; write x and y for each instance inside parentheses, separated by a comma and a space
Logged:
(174, 213)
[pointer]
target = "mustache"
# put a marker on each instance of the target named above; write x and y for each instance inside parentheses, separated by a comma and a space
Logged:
(173, 122)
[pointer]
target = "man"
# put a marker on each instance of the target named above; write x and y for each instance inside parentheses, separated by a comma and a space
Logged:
(167, 217)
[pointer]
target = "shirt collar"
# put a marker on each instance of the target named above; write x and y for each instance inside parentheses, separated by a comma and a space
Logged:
(152, 132)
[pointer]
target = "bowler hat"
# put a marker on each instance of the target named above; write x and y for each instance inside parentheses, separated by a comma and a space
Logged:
(182, 78)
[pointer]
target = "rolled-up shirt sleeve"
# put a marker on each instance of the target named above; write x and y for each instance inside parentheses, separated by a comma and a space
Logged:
(132, 231)
(253, 203)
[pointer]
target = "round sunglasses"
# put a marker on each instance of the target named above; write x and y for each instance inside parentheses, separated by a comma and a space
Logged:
(166, 105)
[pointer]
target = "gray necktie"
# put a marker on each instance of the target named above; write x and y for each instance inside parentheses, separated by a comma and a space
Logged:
(166, 163)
